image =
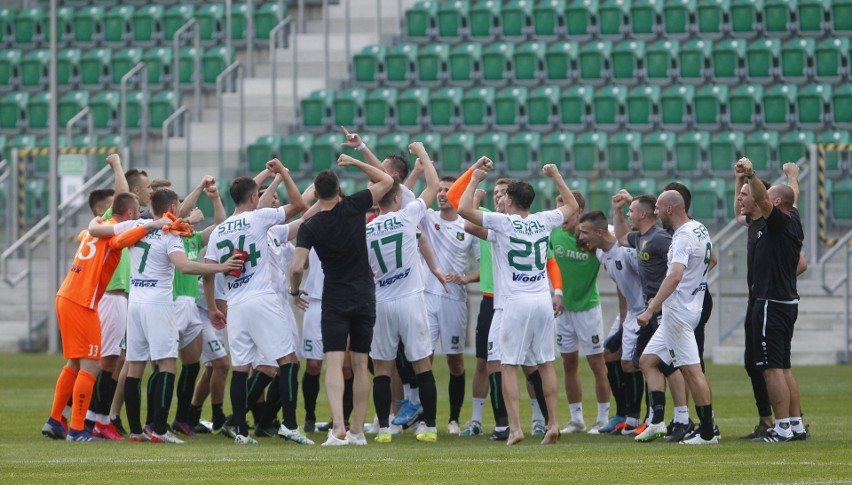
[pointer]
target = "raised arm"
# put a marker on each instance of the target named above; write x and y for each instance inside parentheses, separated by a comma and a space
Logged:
(296, 205)
(467, 206)
(121, 185)
(415, 174)
(382, 182)
(353, 140)
(269, 194)
(432, 182)
(758, 191)
(791, 170)
(619, 200)
(570, 205)
(475, 230)
(191, 199)
(457, 189)
(739, 181)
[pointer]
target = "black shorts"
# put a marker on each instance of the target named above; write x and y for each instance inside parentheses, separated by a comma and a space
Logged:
(483, 326)
(645, 334)
(772, 327)
(613, 344)
(748, 355)
(353, 322)
(706, 310)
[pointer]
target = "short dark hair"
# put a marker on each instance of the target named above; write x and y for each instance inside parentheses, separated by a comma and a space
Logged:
(683, 191)
(387, 199)
(399, 164)
(122, 202)
(596, 218)
(647, 201)
(134, 177)
(326, 185)
(448, 178)
(98, 196)
(162, 199)
(522, 194)
(241, 189)
(581, 201)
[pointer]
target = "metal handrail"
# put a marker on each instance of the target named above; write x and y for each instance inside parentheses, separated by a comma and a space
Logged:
(90, 124)
(842, 244)
(239, 69)
(249, 33)
(196, 70)
(143, 69)
(183, 111)
(275, 34)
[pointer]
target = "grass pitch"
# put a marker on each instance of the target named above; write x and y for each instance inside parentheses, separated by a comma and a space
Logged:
(26, 390)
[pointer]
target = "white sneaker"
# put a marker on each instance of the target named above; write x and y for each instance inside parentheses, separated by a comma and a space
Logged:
(596, 429)
(356, 439)
(335, 441)
(372, 428)
(574, 427)
(698, 440)
(395, 429)
(453, 428)
(167, 437)
(421, 428)
(244, 440)
(294, 436)
(652, 432)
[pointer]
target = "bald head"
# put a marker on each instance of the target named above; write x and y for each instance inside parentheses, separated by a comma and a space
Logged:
(784, 193)
(673, 199)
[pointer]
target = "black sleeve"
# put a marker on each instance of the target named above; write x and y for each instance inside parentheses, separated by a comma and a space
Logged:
(632, 236)
(362, 201)
(777, 221)
(305, 238)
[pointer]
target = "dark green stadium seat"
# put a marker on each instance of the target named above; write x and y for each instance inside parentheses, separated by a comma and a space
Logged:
(411, 106)
(795, 145)
(104, 107)
(575, 106)
(762, 59)
(206, 205)
(778, 17)
(588, 149)
(594, 61)
(529, 62)
(369, 64)
(779, 105)
(509, 105)
(478, 108)
(186, 69)
(136, 101)
(35, 198)
(70, 104)
(457, 152)
(159, 62)
(542, 106)
(582, 18)
(833, 158)
(349, 107)
(420, 20)
(7, 24)
(211, 21)
(444, 107)
(239, 14)
(68, 67)
(677, 18)
(64, 25)
(452, 19)
(108, 141)
(465, 62)
(556, 148)
(711, 103)
(316, 108)
(725, 149)
(657, 152)
(123, 61)
(497, 62)
(516, 18)
(325, 150)
(265, 148)
(295, 150)
(613, 18)
(626, 59)
(370, 140)
(712, 18)
(89, 24)
(175, 17)
(118, 24)
(841, 106)
(37, 110)
(13, 109)
(744, 104)
(693, 60)
(522, 153)
(433, 143)
(560, 61)
(761, 148)
(484, 18)
(34, 68)
(623, 152)
(580, 185)
(728, 60)
(19, 142)
(148, 23)
(80, 141)
(545, 194)
(830, 58)
(600, 195)
(162, 105)
(642, 186)
(746, 20)
(549, 18)
(841, 201)
(708, 198)
(660, 60)
(400, 61)
(676, 105)
(395, 143)
(432, 63)
(266, 18)
(380, 107)
(691, 152)
(797, 58)
(609, 105)
(10, 68)
(813, 105)
(216, 60)
(31, 25)
(646, 18)
(812, 15)
(643, 104)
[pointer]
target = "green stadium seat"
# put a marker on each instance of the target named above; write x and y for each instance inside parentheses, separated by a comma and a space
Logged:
(797, 58)
(31, 25)
(542, 106)
(380, 107)
(444, 107)
(744, 105)
(497, 62)
(510, 104)
(677, 18)
(834, 160)
(162, 105)
(642, 186)
(295, 150)
(394, 143)
(369, 64)
(643, 104)
(484, 18)
(265, 148)
(575, 106)
(400, 61)
(411, 107)
(761, 148)
(549, 18)
(369, 139)
(158, 60)
(64, 25)
(627, 57)
(34, 69)
(104, 107)
(691, 152)
(452, 19)
(660, 59)
(211, 21)
(68, 67)
(841, 106)
(457, 152)
(676, 106)
(646, 18)
(725, 149)
(136, 102)
(728, 60)
(545, 194)
(708, 198)
(186, 69)
(432, 63)
(623, 152)
(556, 148)
(206, 205)
(13, 110)
(478, 108)
(37, 110)
(613, 18)
(266, 18)
(118, 24)
(522, 153)
(580, 185)
(693, 60)
(20, 142)
(215, 60)
(841, 201)
(89, 24)
(420, 20)
(465, 62)
(325, 150)
(70, 104)
(175, 17)
(813, 106)
(609, 105)
(794, 146)
(812, 15)
(600, 195)
(123, 61)
(516, 18)
(746, 20)
(239, 22)
(148, 24)
(316, 108)
(35, 198)
(7, 25)
(594, 62)
(109, 141)
(657, 152)
(10, 68)
(529, 62)
(831, 59)
(779, 105)
(712, 18)
(711, 104)
(582, 18)
(560, 61)
(588, 150)
(778, 17)
(432, 142)
(762, 59)
(349, 107)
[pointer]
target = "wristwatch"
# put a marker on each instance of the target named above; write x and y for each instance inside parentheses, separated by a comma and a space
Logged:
(294, 293)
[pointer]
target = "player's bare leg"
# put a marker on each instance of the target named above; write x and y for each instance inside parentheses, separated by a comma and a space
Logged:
(551, 397)
(334, 390)
(511, 395)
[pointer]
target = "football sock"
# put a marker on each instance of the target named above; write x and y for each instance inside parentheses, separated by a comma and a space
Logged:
(310, 392)
(681, 414)
(406, 391)
(149, 396)
(498, 406)
(782, 427)
(615, 375)
(239, 396)
(456, 388)
(256, 388)
(478, 406)
(218, 413)
(761, 396)
(576, 409)
(163, 392)
(95, 404)
(429, 397)
(109, 395)
(658, 400)
(649, 405)
(194, 415)
(82, 393)
(405, 368)
(185, 388)
(272, 404)
(347, 399)
(634, 387)
(414, 395)
(288, 388)
(705, 426)
(603, 412)
(133, 403)
(382, 399)
(535, 380)
(64, 389)
(796, 424)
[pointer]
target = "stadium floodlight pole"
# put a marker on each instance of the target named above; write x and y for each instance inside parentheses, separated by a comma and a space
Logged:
(53, 195)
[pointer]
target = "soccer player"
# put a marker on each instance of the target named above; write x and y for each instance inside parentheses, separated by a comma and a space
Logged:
(774, 247)
(214, 355)
(520, 241)
(76, 308)
(140, 185)
(255, 329)
(348, 295)
(680, 298)
(310, 301)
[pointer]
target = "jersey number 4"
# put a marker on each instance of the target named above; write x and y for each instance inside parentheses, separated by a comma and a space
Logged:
(253, 253)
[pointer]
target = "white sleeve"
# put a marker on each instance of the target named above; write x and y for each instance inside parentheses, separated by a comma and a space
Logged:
(174, 244)
(496, 221)
(492, 236)
(474, 248)
(632, 259)
(268, 217)
(552, 218)
(407, 195)
(127, 225)
(280, 232)
(416, 210)
(211, 248)
(680, 250)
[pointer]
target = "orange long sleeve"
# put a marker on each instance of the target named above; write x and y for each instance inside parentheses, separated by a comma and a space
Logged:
(554, 274)
(128, 238)
(457, 189)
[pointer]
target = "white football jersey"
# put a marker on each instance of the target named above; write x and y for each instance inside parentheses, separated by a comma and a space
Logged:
(691, 247)
(281, 251)
(393, 252)
(151, 270)
(248, 232)
(500, 273)
(316, 278)
(622, 266)
(522, 244)
(407, 195)
(453, 249)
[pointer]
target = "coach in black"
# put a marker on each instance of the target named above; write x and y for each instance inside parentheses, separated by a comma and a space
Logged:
(774, 245)
(349, 294)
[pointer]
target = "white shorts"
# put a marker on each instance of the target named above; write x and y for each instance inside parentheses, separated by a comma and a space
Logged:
(494, 335)
(401, 319)
(614, 328)
(258, 331)
(674, 341)
(528, 329)
(585, 328)
(447, 322)
(152, 332)
(112, 310)
(214, 340)
(188, 320)
(629, 336)
(311, 347)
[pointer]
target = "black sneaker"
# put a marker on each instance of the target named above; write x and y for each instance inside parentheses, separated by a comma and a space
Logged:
(324, 427)
(264, 432)
(310, 426)
(759, 432)
(220, 423)
(773, 437)
(804, 435)
(89, 425)
(678, 431)
(119, 426)
(499, 435)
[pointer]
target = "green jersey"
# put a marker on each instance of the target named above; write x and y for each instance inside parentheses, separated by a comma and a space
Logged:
(187, 284)
(486, 276)
(121, 277)
(579, 272)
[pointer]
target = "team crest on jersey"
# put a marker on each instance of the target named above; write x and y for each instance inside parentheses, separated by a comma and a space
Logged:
(618, 266)
(455, 340)
(437, 227)
(460, 236)
(276, 242)
(595, 339)
(671, 352)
